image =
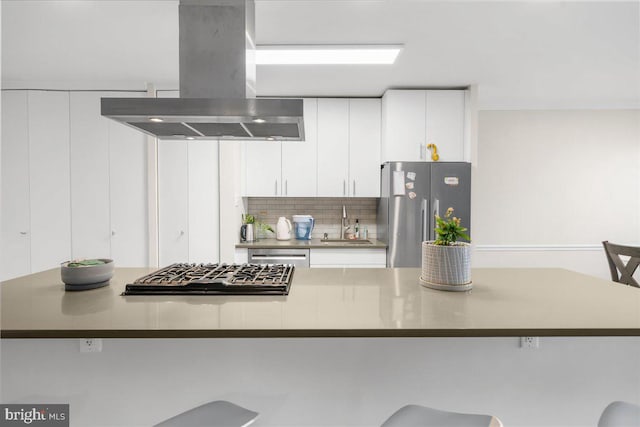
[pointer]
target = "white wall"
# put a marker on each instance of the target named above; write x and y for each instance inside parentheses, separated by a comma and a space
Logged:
(550, 186)
(325, 382)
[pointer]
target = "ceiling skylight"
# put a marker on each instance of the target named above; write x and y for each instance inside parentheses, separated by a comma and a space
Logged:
(326, 54)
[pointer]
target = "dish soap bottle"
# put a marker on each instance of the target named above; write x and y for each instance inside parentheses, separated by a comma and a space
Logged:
(357, 229)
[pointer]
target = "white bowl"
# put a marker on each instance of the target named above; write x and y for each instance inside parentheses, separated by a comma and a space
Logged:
(87, 275)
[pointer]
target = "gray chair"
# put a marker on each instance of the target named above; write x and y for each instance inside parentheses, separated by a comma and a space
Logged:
(620, 414)
(617, 265)
(219, 413)
(421, 416)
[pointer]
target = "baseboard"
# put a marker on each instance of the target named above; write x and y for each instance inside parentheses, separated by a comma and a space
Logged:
(537, 248)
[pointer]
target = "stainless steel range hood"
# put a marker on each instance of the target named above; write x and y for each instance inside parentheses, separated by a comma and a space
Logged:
(217, 83)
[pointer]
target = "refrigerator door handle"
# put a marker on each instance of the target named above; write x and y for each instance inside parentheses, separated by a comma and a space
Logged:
(425, 220)
(436, 211)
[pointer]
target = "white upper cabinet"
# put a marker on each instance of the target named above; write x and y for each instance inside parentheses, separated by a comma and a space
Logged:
(364, 147)
(263, 168)
(412, 119)
(333, 147)
(403, 125)
(15, 216)
(340, 156)
(49, 173)
(299, 165)
(445, 123)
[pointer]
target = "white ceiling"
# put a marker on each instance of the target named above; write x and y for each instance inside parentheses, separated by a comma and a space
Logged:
(521, 54)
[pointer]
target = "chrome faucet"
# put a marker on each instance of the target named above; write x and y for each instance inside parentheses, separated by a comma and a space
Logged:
(343, 225)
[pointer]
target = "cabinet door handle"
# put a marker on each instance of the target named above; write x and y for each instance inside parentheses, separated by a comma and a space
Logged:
(354, 187)
(24, 233)
(286, 187)
(276, 188)
(113, 232)
(344, 187)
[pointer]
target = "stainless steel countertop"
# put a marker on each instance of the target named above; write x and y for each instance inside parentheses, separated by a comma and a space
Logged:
(337, 302)
(313, 243)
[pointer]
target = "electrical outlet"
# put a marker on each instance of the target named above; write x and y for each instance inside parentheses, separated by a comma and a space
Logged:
(90, 345)
(529, 342)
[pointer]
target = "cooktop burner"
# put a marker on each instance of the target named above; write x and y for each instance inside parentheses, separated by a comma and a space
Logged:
(215, 279)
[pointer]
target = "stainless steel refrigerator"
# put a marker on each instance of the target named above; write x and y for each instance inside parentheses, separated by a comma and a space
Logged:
(411, 194)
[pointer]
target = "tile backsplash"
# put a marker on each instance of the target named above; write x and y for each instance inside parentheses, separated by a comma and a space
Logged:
(327, 211)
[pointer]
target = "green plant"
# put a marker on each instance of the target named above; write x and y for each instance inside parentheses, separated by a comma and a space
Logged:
(449, 229)
(248, 219)
(261, 226)
(85, 263)
(264, 227)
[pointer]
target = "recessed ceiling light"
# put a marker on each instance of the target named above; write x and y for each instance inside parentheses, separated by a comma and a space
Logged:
(258, 120)
(190, 137)
(155, 119)
(326, 54)
(270, 138)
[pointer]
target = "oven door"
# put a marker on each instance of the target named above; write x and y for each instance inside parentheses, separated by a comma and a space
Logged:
(296, 257)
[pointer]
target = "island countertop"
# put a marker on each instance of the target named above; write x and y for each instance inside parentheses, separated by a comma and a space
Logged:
(330, 303)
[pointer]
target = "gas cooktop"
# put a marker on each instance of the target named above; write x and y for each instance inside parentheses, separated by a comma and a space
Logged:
(215, 279)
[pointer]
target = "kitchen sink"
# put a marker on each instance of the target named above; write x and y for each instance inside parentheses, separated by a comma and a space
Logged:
(348, 241)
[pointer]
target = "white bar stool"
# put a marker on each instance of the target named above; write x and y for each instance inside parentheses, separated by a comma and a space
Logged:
(421, 416)
(620, 414)
(219, 413)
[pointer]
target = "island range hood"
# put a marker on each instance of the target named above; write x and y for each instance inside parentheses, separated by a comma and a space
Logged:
(217, 83)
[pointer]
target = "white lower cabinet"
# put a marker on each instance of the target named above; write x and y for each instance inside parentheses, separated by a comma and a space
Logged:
(335, 257)
(349, 258)
(188, 201)
(241, 256)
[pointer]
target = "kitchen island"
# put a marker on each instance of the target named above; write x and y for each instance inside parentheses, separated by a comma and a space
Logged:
(346, 347)
(330, 303)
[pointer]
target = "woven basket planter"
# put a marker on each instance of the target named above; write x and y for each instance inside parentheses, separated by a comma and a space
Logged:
(446, 267)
